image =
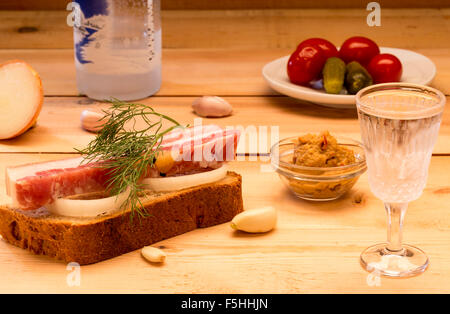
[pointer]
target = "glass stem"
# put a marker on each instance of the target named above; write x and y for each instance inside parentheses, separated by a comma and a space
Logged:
(396, 213)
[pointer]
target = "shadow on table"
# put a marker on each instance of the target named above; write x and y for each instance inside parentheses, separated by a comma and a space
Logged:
(353, 200)
(295, 106)
(242, 234)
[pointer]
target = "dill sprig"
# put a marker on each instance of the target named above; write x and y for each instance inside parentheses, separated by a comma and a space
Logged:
(128, 152)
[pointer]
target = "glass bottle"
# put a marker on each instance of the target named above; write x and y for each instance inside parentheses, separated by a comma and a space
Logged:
(117, 47)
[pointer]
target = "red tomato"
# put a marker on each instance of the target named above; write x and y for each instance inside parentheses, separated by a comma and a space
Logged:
(385, 68)
(305, 64)
(359, 49)
(328, 48)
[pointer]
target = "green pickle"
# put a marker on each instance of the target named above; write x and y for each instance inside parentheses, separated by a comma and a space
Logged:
(357, 78)
(333, 75)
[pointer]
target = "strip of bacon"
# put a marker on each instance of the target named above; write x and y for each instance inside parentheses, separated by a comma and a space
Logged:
(34, 185)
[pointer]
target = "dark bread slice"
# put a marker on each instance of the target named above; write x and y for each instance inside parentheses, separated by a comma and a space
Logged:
(90, 240)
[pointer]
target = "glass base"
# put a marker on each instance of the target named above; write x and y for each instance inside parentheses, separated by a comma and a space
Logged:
(410, 261)
(316, 199)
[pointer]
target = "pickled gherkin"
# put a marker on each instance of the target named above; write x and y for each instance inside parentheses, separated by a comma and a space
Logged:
(356, 78)
(333, 75)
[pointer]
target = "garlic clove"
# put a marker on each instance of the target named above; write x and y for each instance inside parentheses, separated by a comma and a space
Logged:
(153, 254)
(90, 121)
(255, 220)
(212, 106)
(164, 161)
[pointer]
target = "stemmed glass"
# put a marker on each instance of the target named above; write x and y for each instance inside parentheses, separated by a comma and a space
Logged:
(399, 127)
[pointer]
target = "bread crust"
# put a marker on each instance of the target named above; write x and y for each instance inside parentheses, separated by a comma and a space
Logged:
(92, 240)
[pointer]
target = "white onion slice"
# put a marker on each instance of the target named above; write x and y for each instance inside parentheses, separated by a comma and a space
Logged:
(87, 208)
(185, 181)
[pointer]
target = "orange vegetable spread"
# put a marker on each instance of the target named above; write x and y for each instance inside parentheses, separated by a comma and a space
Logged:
(321, 150)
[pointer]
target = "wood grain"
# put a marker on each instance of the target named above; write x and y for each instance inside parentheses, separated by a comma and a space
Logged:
(236, 4)
(194, 72)
(59, 128)
(314, 249)
(290, 4)
(316, 246)
(247, 28)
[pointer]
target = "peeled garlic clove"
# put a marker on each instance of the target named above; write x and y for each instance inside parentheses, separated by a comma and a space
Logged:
(255, 220)
(211, 106)
(153, 254)
(90, 121)
(164, 161)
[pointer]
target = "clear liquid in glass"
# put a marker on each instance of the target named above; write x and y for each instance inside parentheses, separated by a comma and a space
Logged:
(399, 127)
(398, 153)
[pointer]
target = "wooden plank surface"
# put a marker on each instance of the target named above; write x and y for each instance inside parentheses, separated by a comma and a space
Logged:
(236, 4)
(289, 4)
(186, 72)
(59, 128)
(247, 28)
(315, 247)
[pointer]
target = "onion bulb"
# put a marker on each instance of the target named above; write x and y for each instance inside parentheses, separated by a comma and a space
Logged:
(21, 98)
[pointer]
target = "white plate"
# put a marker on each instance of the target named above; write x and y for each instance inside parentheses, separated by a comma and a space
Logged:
(417, 69)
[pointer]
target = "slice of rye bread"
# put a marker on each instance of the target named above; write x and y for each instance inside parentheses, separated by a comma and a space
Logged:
(90, 240)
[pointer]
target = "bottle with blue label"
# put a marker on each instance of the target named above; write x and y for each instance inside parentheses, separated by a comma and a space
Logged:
(118, 48)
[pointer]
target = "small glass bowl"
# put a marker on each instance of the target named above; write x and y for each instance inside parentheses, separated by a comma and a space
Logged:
(317, 183)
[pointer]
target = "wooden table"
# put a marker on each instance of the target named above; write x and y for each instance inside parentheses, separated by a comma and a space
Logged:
(316, 246)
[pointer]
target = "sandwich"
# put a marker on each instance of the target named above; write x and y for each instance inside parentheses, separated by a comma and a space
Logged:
(130, 188)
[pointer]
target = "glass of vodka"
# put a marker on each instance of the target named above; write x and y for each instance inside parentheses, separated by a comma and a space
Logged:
(117, 47)
(399, 127)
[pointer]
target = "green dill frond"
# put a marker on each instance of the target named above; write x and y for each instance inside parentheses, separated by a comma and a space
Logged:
(126, 150)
